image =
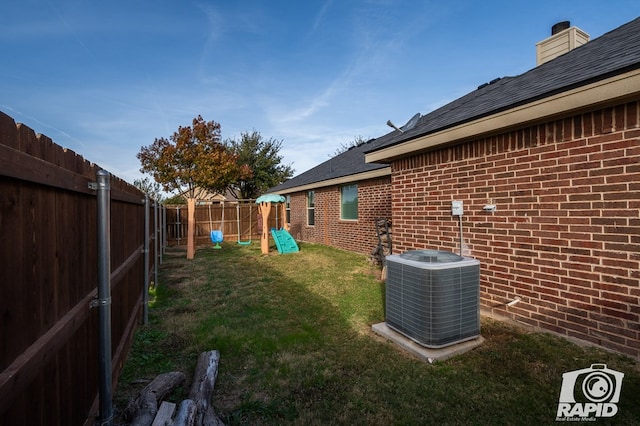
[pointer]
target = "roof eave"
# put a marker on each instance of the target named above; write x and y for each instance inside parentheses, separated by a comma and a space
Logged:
(606, 91)
(372, 174)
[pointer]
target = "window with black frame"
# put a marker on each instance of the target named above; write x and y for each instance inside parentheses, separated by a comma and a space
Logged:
(288, 208)
(311, 208)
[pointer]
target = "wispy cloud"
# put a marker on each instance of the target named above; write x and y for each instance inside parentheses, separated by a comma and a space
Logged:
(372, 50)
(104, 78)
(40, 126)
(320, 16)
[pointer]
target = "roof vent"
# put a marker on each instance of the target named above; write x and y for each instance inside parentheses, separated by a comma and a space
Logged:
(564, 38)
(495, 80)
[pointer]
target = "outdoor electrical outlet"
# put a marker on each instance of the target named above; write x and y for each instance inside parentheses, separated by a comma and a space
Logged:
(456, 208)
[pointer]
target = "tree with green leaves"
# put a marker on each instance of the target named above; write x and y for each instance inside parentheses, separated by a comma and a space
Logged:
(262, 157)
(175, 199)
(152, 189)
(192, 159)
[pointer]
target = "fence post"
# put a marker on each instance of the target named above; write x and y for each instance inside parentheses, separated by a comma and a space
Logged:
(156, 230)
(191, 228)
(164, 229)
(145, 296)
(103, 302)
(178, 224)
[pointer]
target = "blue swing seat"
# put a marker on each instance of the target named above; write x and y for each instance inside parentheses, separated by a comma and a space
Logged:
(217, 238)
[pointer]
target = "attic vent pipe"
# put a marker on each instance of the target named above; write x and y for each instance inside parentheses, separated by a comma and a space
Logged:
(560, 26)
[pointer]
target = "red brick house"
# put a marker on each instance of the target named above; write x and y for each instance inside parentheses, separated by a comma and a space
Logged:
(337, 202)
(557, 151)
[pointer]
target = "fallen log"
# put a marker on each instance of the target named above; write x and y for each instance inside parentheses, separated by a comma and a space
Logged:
(186, 414)
(143, 409)
(204, 380)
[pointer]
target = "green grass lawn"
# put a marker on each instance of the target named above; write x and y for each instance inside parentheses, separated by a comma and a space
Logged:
(294, 335)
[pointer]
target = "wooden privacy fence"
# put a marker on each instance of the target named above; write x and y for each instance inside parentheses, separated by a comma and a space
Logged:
(48, 271)
(241, 220)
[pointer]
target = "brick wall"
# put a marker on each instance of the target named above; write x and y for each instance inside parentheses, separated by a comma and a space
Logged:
(566, 234)
(374, 201)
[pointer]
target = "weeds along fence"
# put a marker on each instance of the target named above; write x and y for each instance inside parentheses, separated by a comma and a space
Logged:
(241, 221)
(49, 329)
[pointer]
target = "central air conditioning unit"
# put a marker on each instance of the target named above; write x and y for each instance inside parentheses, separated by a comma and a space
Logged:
(433, 297)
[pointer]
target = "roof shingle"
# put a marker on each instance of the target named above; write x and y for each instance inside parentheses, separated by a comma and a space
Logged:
(613, 53)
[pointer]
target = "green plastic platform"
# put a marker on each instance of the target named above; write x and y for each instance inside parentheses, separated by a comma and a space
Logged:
(284, 241)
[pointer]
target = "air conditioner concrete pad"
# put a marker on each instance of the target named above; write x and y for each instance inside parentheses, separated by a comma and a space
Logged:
(427, 354)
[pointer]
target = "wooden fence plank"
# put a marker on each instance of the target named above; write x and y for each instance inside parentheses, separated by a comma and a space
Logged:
(124, 267)
(209, 218)
(48, 270)
(165, 413)
(20, 165)
(8, 131)
(23, 166)
(13, 262)
(21, 372)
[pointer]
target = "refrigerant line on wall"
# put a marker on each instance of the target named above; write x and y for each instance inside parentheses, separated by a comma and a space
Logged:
(460, 218)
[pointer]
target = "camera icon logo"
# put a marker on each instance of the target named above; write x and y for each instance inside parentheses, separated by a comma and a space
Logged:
(589, 392)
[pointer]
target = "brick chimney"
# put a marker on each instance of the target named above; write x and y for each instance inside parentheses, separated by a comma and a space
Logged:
(563, 38)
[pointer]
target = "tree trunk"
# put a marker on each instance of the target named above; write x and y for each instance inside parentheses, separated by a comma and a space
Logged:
(186, 415)
(191, 228)
(204, 380)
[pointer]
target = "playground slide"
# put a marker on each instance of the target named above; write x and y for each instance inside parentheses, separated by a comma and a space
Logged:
(284, 241)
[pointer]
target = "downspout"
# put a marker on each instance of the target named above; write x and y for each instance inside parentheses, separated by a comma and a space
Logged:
(103, 301)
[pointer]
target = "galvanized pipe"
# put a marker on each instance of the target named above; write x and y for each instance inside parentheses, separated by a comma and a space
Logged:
(163, 230)
(103, 302)
(179, 233)
(156, 231)
(145, 295)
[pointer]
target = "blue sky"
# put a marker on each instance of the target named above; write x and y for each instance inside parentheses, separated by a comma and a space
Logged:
(104, 78)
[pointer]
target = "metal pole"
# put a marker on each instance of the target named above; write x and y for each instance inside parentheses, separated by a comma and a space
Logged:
(155, 242)
(103, 302)
(145, 296)
(178, 224)
(160, 233)
(164, 228)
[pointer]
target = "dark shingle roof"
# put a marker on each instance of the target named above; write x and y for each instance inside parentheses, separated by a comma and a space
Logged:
(348, 163)
(613, 53)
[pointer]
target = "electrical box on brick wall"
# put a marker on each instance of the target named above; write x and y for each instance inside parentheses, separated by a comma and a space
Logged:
(456, 208)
